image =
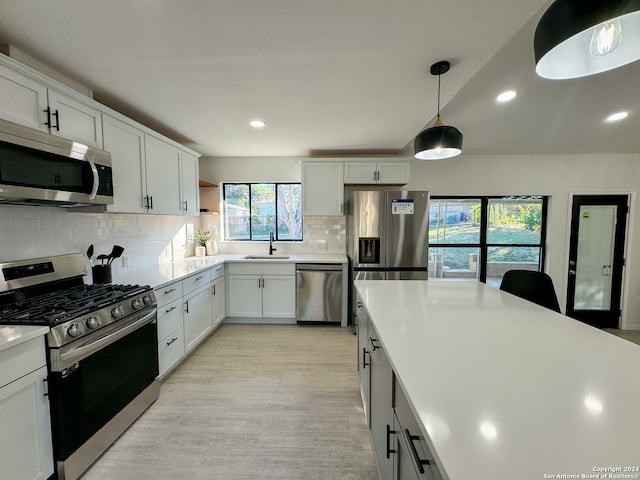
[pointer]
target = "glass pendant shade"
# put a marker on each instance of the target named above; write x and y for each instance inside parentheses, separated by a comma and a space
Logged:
(576, 38)
(438, 142)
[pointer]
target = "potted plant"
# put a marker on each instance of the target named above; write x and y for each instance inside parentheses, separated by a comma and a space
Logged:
(201, 237)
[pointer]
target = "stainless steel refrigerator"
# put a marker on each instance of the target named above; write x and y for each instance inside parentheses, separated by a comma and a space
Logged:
(387, 235)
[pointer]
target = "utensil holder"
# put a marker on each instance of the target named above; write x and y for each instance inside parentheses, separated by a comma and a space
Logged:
(101, 274)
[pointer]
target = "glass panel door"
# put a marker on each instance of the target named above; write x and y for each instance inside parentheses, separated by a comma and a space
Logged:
(595, 257)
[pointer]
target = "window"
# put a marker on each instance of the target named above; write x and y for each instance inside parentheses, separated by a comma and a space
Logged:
(483, 237)
(253, 210)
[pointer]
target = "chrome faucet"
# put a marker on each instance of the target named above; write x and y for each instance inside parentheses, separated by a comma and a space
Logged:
(271, 240)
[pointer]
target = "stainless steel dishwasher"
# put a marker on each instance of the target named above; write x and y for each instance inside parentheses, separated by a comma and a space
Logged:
(319, 292)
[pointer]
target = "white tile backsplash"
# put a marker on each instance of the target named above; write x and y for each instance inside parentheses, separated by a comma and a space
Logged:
(319, 234)
(30, 232)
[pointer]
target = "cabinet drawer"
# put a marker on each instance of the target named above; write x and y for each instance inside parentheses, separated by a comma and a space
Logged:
(170, 350)
(168, 293)
(21, 359)
(249, 268)
(169, 318)
(197, 280)
(217, 272)
(421, 456)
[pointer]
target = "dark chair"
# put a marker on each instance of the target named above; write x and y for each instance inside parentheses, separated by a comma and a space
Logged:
(536, 287)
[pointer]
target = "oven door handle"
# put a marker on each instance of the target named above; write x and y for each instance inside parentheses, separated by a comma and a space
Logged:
(81, 352)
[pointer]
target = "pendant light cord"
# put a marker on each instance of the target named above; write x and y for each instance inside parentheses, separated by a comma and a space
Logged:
(439, 75)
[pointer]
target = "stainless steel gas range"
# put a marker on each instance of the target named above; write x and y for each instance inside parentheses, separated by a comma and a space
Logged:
(102, 352)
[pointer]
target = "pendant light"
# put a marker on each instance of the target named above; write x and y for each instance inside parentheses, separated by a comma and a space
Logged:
(440, 141)
(576, 38)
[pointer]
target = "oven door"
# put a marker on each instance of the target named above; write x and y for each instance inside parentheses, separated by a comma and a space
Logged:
(91, 382)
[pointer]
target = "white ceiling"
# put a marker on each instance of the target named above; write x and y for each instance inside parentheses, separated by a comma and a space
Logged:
(341, 76)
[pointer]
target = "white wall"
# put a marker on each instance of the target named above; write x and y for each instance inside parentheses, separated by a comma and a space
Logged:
(557, 176)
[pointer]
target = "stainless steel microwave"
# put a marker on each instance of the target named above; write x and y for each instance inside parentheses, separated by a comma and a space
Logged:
(37, 168)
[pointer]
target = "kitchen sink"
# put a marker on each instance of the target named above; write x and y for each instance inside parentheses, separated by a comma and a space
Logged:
(266, 257)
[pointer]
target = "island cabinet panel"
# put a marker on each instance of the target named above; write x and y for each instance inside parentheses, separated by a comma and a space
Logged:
(381, 404)
(412, 441)
(364, 357)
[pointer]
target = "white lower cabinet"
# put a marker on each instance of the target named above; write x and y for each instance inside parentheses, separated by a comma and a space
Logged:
(218, 301)
(25, 436)
(197, 317)
(262, 291)
(170, 332)
(188, 311)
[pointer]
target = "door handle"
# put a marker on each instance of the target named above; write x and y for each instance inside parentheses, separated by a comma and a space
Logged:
(420, 463)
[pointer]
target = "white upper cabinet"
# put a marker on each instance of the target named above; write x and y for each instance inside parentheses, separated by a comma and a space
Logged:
(126, 144)
(189, 193)
(73, 119)
(377, 172)
(163, 174)
(22, 99)
(28, 101)
(322, 188)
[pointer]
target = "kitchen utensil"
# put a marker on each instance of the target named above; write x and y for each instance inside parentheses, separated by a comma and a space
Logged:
(102, 257)
(116, 252)
(90, 254)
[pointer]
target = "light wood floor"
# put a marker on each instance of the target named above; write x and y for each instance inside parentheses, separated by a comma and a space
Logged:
(253, 402)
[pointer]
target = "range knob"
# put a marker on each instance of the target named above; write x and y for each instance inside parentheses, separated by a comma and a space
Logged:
(92, 322)
(117, 312)
(74, 330)
(147, 299)
(137, 304)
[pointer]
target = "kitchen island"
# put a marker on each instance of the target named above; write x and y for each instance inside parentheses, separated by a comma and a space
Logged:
(501, 388)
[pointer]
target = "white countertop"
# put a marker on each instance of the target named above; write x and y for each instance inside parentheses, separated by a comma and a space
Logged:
(507, 389)
(163, 273)
(158, 275)
(12, 335)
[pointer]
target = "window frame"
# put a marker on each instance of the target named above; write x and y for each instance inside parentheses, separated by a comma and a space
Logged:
(483, 246)
(276, 233)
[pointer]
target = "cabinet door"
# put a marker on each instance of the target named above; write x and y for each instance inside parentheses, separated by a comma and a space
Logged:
(72, 119)
(245, 296)
(126, 145)
(163, 176)
(22, 99)
(279, 296)
(381, 405)
(197, 317)
(322, 188)
(360, 172)
(25, 436)
(396, 173)
(189, 183)
(218, 301)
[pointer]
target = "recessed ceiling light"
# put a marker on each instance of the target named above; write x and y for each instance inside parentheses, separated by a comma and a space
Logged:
(506, 96)
(616, 117)
(258, 124)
